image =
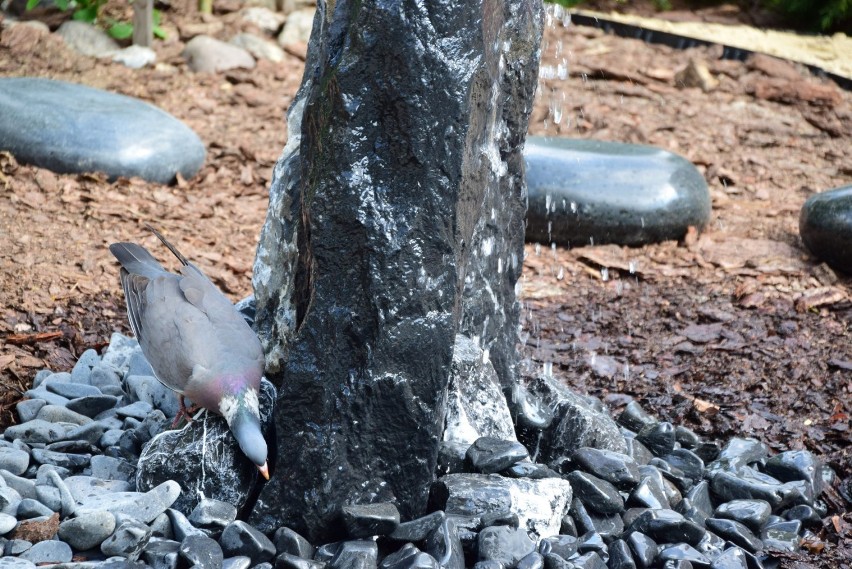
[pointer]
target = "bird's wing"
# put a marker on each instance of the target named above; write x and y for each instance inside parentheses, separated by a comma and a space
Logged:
(177, 335)
(134, 294)
(138, 267)
(240, 351)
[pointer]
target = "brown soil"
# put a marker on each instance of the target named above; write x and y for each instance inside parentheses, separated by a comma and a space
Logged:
(736, 331)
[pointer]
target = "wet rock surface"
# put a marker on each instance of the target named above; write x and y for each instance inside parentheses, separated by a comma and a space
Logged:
(825, 224)
(389, 288)
(66, 127)
(584, 192)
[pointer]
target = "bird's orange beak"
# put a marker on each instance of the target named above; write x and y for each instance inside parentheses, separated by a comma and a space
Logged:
(264, 470)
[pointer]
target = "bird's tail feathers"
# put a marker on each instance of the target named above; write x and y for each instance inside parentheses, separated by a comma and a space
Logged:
(171, 247)
(135, 259)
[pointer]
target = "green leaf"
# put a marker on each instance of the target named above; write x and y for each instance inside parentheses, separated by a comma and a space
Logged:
(32, 4)
(155, 17)
(160, 33)
(86, 14)
(120, 30)
(62, 4)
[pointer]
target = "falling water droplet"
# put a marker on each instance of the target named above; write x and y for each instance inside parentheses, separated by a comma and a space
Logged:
(547, 369)
(561, 274)
(604, 273)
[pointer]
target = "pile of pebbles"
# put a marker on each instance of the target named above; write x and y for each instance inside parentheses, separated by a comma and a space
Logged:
(68, 496)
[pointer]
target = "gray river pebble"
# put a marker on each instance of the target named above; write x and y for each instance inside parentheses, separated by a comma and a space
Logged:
(88, 530)
(28, 409)
(142, 506)
(50, 551)
(57, 414)
(16, 563)
(35, 431)
(29, 508)
(71, 390)
(7, 523)
(14, 460)
(128, 540)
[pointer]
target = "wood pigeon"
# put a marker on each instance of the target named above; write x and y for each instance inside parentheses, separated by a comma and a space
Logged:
(196, 341)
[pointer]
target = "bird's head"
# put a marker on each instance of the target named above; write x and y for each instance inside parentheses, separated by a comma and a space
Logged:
(241, 412)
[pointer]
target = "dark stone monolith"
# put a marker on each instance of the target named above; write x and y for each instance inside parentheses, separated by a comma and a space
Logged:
(395, 221)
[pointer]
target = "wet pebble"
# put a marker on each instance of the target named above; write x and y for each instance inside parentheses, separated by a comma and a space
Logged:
(596, 494)
(736, 533)
(783, 536)
(684, 552)
(616, 468)
(288, 541)
(419, 528)
(356, 554)
(201, 550)
(365, 520)
(752, 513)
(532, 561)
(212, 514)
(489, 455)
(732, 558)
(239, 538)
(503, 544)
(620, 556)
(659, 438)
(667, 526)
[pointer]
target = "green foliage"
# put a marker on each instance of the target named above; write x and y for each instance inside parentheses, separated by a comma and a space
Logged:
(817, 15)
(566, 3)
(89, 11)
(120, 30)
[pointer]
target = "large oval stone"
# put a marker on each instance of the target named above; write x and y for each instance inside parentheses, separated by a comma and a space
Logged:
(825, 224)
(69, 128)
(584, 192)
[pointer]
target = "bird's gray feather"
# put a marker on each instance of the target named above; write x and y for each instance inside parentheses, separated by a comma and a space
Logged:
(189, 330)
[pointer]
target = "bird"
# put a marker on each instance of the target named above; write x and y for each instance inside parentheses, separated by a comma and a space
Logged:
(196, 341)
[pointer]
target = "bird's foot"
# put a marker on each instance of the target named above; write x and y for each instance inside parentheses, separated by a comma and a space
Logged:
(184, 413)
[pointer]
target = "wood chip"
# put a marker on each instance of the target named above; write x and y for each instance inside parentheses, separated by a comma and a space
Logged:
(823, 296)
(20, 339)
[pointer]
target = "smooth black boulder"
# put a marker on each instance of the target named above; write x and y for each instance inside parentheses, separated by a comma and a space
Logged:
(69, 128)
(584, 192)
(395, 222)
(825, 224)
